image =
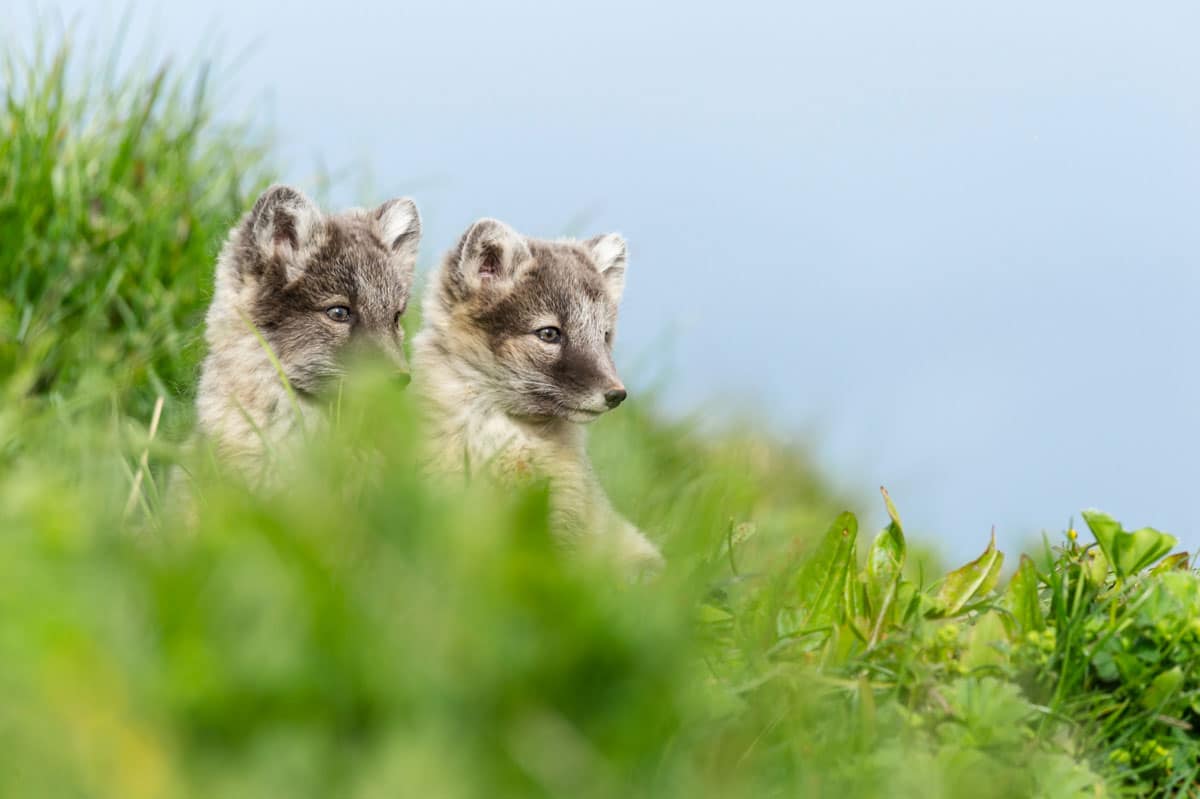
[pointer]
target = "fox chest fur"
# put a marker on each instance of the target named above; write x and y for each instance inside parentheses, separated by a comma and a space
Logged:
(470, 435)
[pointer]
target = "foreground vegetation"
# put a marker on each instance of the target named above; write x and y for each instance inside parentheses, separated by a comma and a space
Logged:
(363, 633)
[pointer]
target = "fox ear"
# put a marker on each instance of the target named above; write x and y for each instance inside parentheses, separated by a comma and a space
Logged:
(609, 253)
(490, 255)
(283, 222)
(400, 226)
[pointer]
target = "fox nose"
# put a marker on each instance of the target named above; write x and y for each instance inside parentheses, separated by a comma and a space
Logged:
(615, 396)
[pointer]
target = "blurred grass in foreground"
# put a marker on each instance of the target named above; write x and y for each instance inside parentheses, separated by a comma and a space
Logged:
(364, 633)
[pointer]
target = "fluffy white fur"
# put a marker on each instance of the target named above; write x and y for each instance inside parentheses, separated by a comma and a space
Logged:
(242, 402)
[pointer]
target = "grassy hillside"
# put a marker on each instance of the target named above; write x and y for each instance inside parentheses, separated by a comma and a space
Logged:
(362, 633)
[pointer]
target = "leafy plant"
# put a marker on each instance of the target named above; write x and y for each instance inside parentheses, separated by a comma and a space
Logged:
(1128, 552)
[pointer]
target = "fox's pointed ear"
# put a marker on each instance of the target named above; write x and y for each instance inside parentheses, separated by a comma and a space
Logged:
(283, 222)
(489, 255)
(610, 254)
(400, 227)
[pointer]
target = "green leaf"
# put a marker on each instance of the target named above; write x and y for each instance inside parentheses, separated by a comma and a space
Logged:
(857, 607)
(1161, 688)
(987, 642)
(1175, 562)
(891, 509)
(1128, 552)
(911, 601)
(1095, 567)
(993, 575)
(821, 583)
(1022, 597)
(885, 562)
(711, 614)
(970, 581)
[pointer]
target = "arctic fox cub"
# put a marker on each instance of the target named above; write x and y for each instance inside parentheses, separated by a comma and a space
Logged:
(514, 356)
(299, 287)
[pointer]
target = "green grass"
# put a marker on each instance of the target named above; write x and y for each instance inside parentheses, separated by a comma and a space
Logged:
(114, 195)
(364, 633)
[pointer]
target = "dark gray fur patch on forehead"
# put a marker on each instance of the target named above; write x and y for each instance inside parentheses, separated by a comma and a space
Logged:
(348, 259)
(560, 279)
(569, 259)
(356, 264)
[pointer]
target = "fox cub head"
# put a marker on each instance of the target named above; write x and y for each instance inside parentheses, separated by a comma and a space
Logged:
(318, 286)
(535, 319)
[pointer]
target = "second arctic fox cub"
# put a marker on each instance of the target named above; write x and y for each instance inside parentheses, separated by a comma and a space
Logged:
(514, 357)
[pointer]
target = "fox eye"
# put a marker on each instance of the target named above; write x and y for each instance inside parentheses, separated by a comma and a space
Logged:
(338, 313)
(608, 337)
(550, 335)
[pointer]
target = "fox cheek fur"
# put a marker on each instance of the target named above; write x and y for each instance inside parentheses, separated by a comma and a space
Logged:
(314, 286)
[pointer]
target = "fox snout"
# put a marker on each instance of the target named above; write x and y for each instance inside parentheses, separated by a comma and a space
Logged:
(384, 349)
(589, 380)
(399, 365)
(615, 396)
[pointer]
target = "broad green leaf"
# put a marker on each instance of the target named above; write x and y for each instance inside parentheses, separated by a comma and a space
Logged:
(1128, 552)
(1176, 597)
(885, 562)
(1105, 664)
(1147, 545)
(1175, 562)
(1022, 597)
(1162, 687)
(820, 583)
(993, 710)
(970, 581)
(986, 643)
(711, 614)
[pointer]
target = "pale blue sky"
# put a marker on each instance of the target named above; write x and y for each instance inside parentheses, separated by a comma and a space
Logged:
(956, 246)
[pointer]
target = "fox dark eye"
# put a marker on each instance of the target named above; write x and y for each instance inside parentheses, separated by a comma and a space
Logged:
(608, 337)
(338, 313)
(550, 335)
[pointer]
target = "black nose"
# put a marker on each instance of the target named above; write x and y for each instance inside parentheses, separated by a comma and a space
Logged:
(614, 397)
